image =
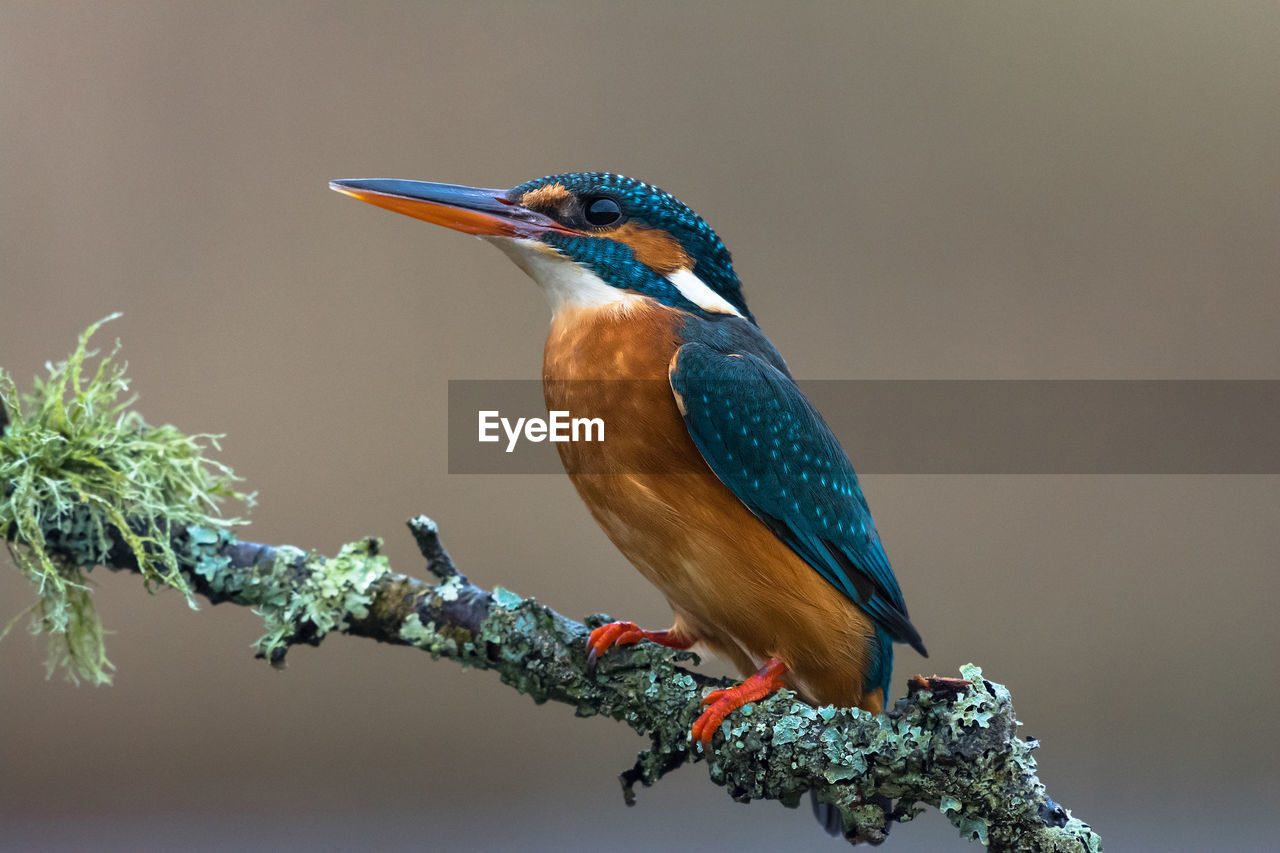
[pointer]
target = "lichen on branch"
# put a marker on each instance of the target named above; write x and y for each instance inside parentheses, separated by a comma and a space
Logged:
(87, 483)
(77, 462)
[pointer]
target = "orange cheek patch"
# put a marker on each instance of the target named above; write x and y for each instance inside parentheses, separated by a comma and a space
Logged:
(657, 250)
(542, 198)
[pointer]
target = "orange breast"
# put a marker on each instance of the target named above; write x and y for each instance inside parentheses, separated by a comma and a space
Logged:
(731, 583)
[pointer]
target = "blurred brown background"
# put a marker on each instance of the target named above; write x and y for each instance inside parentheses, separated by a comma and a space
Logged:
(936, 190)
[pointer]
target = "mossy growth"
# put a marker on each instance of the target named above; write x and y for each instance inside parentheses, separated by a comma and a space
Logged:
(323, 595)
(75, 459)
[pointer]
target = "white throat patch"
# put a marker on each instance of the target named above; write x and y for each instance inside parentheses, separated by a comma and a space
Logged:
(696, 291)
(568, 285)
(564, 283)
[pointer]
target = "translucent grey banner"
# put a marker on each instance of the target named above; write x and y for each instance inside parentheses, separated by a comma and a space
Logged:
(901, 426)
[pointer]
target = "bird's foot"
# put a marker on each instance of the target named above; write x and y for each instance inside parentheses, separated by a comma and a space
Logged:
(721, 703)
(624, 634)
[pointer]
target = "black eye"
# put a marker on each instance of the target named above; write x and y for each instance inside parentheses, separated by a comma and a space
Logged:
(601, 211)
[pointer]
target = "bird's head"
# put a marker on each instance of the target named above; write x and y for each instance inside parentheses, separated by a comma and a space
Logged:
(588, 238)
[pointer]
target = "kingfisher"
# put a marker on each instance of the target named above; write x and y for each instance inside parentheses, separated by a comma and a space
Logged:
(720, 481)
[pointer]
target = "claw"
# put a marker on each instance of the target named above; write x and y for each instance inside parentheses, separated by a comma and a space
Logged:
(624, 634)
(721, 703)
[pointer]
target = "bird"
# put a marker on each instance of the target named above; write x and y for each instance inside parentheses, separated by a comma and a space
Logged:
(720, 482)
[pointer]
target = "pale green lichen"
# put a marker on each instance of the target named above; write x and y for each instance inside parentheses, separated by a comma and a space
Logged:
(974, 828)
(448, 589)
(427, 637)
(503, 597)
(957, 751)
(788, 729)
(1084, 834)
(417, 634)
(975, 707)
(328, 592)
(75, 460)
(267, 585)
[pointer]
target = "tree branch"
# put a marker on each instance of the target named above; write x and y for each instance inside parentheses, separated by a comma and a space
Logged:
(85, 482)
(950, 744)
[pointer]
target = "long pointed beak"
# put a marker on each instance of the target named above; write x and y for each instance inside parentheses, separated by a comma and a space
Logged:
(471, 210)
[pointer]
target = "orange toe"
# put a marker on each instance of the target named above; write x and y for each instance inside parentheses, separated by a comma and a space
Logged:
(627, 633)
(721, 703)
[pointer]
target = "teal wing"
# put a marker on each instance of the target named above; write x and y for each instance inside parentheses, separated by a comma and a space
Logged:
(767, 443)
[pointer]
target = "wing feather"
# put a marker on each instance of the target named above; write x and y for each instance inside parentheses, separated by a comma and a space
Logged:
(767, 443)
